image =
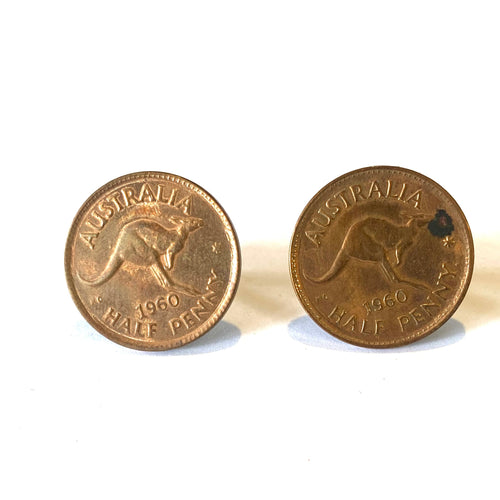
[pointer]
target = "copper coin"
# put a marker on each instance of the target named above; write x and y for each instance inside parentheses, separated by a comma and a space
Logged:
(152, 261)
(381, 257)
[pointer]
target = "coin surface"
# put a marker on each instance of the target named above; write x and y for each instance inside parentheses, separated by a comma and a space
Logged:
(152, 261)
(381, 257)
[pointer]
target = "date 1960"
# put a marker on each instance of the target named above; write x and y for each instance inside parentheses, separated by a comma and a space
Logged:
(160, 304)
(388, 300)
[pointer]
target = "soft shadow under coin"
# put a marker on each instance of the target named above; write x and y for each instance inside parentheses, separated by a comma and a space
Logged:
(306, 331)
(222, 336)
(82, 328)
(265, 295)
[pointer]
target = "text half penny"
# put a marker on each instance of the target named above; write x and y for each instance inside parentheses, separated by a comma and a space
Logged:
(152, 261)
(381, 257)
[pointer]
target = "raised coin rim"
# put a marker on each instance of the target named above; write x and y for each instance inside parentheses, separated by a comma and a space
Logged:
(296, 281)
(235, 268)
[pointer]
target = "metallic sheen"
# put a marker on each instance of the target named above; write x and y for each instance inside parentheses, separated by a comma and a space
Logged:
(381, 257)
(152, 261)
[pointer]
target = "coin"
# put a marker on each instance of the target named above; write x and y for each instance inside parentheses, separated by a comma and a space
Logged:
(381, 257)
(152, 261)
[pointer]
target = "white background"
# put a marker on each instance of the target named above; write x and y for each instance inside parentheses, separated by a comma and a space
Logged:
(261, 103)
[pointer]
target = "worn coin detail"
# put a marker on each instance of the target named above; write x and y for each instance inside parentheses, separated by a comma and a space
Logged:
(381, 257)
(152, 261)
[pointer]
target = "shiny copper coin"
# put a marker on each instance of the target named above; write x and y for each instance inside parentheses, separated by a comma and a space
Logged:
(381, 257)
(152, 261)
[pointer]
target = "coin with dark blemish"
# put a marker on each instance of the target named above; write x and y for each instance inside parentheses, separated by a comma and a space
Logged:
(441, 225)
(381, 257)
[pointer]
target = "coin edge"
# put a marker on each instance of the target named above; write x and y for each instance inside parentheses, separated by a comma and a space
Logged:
(412, 338)
(235, 267)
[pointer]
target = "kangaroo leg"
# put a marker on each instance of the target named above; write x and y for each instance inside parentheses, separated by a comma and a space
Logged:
(161, 274)
(186, 289)
(160, 270)
(389, 272)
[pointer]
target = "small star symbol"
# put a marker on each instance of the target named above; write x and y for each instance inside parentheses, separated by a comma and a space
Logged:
(216, 247)
(448, 241)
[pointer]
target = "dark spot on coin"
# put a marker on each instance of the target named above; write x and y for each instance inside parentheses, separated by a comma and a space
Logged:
(441, 225)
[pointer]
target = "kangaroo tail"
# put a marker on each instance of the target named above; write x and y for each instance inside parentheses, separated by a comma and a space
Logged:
(337, 265)
(112, 266)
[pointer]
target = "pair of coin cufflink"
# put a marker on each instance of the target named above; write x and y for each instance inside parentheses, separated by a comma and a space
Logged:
(380, 257)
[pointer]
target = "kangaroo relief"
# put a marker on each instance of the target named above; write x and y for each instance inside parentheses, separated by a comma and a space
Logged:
(373, 239)
(381, 256)
(147, 243)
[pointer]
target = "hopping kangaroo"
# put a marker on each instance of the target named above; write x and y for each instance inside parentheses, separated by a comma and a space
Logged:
(371, 240)
(147, 243)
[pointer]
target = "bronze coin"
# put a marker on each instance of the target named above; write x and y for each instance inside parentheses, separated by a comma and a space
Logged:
(381, 257)
(152, 261)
